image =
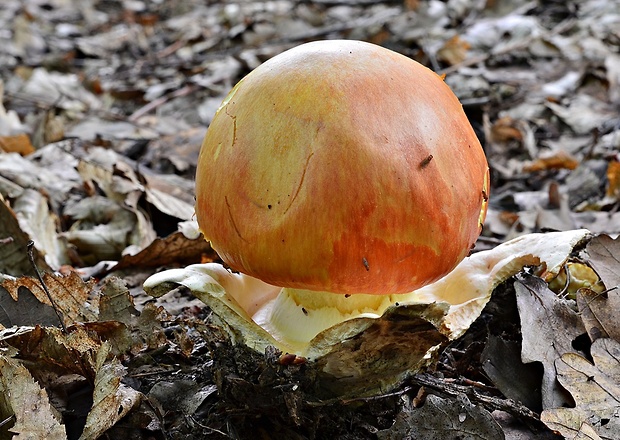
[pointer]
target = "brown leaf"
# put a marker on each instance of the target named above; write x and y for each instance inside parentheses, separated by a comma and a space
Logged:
(600, 310)
(454, 51)
(50, 351)
(13, 246)
(27, 310)
(28, 402)
(605, 259)
(175, 249)
(16, 144)
(111, 399)
(595, 390)
(443, 418)
(556, 161)
(599, 313)
(549, 327)
(613, 177)
(505, 129)
(69, 292)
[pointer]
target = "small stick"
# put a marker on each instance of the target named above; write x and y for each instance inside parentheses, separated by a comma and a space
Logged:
(5, 421)
(47, 292)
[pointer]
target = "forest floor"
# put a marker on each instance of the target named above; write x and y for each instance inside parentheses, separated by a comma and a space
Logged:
(103, 108)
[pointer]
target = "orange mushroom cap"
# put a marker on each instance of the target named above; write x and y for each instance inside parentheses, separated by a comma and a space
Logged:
(342, 166)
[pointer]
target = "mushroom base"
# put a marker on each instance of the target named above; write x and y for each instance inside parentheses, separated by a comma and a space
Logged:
(297, 316)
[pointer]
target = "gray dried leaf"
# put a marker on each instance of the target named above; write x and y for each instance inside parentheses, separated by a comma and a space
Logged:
(594, 386)
(443, 418)
(549, 327)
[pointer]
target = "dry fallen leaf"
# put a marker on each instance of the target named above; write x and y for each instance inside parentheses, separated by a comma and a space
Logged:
(13, 246)
(26, 309)
(443, 418)
(453, 51)
(175, 249)
(613, 179)
(604, 255)
(70, 293)
(595, 388)
(558, 160)
(505, 129)
(549, 327)
(112, 400)
(35, 219)
(29, 404)
(19, 143)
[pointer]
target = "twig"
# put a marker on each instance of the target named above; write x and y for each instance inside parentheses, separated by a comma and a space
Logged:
(5, 421)
(36, 269)
(160, 101)
(529, 417)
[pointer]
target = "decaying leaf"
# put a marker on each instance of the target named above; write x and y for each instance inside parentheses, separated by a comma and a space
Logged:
(102, 230)
(613, 179)
(41, 225)
(596, 390)
(112, 400)
(501, 361)
(70, 293)
(13, 246)
(558, 160)
(184, 395)
(24, 309)
(599, 313)
(549, 327)
(453, 51)
(604, 255)
(19, 143)
(175, 249)
(441, 418)
(23, 398)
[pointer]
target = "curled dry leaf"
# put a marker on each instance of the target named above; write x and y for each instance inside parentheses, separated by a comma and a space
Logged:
(171, 250)
(595, 388)
(35, 219)
(613, 179)
(453, 51)
(505, 129)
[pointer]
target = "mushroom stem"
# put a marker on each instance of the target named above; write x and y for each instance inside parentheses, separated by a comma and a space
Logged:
(299, 315)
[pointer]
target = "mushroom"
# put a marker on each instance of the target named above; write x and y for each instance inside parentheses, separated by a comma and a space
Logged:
(346, 174)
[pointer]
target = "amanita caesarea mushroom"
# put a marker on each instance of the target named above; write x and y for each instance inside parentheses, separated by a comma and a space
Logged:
(337, 178)
(338, 169)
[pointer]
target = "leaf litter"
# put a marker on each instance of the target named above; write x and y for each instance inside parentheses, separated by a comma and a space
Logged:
(103, 108)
